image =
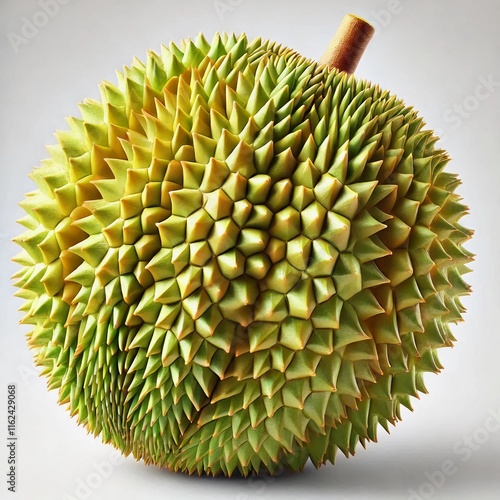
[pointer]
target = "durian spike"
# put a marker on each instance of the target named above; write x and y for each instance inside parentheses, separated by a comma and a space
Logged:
(348, 44)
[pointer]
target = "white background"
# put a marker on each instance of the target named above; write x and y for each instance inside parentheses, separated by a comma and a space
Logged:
(434, 55)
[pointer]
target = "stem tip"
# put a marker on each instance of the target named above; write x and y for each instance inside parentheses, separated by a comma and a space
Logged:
(348, 44)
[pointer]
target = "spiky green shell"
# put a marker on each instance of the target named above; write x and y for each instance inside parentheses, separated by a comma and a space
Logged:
(239, 260)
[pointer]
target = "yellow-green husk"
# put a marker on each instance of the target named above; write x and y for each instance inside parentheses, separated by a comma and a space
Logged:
(240, 260)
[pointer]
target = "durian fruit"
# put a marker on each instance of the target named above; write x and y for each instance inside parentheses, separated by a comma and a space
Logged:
(241, 259)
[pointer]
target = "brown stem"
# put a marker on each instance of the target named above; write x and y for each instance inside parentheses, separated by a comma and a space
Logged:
(348, 44)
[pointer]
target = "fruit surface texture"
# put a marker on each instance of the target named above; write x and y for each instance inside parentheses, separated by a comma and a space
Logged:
(240, 259)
